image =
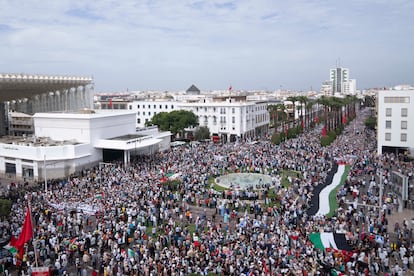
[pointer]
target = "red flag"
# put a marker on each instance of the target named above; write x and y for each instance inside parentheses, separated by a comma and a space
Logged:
(25, 235)
(110, 103)
(265, 268)
(343, 119)
(316, 120)
(324, 131)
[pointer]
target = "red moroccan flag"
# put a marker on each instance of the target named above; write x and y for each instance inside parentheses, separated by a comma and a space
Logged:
(324, 131)
(25, 235)
(343, 119)
(110, 103)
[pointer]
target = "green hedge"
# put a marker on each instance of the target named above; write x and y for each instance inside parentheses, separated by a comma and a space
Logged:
(277, 138)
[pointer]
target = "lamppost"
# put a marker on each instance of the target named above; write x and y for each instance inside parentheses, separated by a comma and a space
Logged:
(380, 190)
(44, 168)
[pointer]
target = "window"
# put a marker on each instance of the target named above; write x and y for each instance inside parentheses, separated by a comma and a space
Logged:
(143, 113)
(139, 120)
(146, 120)
(130, 107)
(387, 124)
(404, 112)
(403, 124)
(233, 110)
(388, 112)
(403, 137)
(137, 106)
(396, 99)
(155, 106)
(205, 109)
(149, 106)
(149, 113)
(387, 136)
(160, 106)
(172, 106)
(138, 113)
(233, 120)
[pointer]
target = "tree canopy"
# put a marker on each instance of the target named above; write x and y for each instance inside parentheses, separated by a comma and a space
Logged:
(175, 121)
(202, 133)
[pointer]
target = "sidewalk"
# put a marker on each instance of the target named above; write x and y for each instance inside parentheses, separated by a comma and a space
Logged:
(399, 217)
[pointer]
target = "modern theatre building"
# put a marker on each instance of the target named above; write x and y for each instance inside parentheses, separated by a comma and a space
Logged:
(68, 135)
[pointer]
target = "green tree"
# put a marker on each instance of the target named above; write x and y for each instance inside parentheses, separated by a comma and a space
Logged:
(371, 123)
(202, 133)
(293, 99)
(302, 100)
(175, 121)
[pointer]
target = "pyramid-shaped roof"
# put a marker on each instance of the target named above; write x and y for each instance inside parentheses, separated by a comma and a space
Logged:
(193, 90)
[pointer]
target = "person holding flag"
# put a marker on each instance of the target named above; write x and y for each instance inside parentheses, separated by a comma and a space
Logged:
(26, 234)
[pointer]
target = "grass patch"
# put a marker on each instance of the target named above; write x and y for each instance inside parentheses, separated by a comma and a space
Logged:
(333, 203)
(219, 188)
(285, 177)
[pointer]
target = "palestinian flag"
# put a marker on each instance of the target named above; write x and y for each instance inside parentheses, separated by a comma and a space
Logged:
(323, 201)
(330, 240)
(12, 249)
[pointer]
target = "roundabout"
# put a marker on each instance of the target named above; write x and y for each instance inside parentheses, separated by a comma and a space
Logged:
(244, 181)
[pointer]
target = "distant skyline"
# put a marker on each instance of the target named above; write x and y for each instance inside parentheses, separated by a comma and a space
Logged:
(246, 44)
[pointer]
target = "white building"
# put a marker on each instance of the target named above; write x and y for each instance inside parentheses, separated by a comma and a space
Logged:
(68, 142)
(395, 129)
(339, 83)
(229, 116)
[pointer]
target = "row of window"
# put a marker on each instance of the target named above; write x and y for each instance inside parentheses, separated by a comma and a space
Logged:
(396, 99)
(154, 106)
(404, 112)
(403, 124)
(403, 137)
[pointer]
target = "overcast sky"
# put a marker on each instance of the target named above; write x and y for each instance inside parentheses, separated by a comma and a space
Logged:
(248, 44)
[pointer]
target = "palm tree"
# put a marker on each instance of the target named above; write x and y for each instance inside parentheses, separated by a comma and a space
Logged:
(302, 100)
(309, 113)
(325, 101)
(293, 99)
(272, 109)
(336, 105)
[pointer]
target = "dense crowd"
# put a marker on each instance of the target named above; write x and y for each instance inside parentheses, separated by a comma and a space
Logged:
(131, 220)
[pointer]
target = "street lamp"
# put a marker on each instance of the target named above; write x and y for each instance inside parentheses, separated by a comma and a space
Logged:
(380, 190)
(44, 168)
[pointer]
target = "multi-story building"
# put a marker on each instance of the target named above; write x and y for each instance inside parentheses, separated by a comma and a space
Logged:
(339, 83)
(20, 124)
(395, 129)
(229, 116)
(338, 76)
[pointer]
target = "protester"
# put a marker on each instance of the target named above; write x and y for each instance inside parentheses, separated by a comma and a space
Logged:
(133, 221)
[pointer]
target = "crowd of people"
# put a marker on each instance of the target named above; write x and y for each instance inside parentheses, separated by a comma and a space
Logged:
(134, 220)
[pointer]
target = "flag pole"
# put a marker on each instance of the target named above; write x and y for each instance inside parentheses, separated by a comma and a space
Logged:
(34, 238)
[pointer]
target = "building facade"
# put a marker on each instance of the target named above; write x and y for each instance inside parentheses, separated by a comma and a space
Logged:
(64, 143)
(230, 117)
(395, 123)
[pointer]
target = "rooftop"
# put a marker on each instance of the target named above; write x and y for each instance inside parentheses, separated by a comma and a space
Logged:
(34, 141)
(19, 85)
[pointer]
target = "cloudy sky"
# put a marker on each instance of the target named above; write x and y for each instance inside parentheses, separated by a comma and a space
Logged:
(248, 44)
